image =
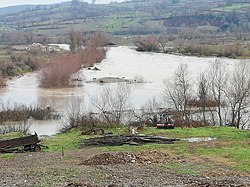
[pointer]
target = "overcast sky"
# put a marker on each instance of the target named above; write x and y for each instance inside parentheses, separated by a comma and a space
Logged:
(4, 3)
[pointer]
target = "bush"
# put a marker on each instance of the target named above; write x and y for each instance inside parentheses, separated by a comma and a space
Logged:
(98, 39)
(92, 55)
(15, 127)
(58, 74)
(84, 122)
(22, 113)
(149, 43)
(2, 82)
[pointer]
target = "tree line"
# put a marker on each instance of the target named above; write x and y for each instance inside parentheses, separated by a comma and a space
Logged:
(219, 96)
(227, 89)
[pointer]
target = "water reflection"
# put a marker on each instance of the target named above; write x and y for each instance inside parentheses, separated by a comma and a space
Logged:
(45, 127)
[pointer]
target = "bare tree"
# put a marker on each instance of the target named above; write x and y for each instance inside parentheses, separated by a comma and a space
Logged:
(74, 113)
(162, 40)
(150, 111)
(29, 37)
(238, 93)
(218, 80)
(97, 39)
(149, 43)
(203, 89)
(75, 40)
(178, 91)
(112, 102)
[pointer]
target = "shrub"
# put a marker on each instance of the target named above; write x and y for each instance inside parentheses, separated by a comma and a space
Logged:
(22, 113)
(98, 39)
(92, 55)
(15, 127)
(149, 43)
(58, 74)
(2, 82)
(84, 122)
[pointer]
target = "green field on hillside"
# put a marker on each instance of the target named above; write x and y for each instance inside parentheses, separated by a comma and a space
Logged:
(233, 7)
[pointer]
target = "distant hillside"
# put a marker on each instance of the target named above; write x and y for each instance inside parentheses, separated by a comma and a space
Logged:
(182, 18)
(20, 8)
(15, 9)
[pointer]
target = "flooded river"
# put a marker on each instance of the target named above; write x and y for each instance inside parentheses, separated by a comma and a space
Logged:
(122, 62)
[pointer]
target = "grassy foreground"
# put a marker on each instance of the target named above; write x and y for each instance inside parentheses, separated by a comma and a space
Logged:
(231, 148)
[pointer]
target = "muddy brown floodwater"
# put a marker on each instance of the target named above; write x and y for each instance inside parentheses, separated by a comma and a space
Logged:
(120, 62)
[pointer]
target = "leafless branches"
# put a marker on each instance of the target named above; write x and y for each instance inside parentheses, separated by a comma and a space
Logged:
(222, 94)
(177, 92)
(238, 93)
(112, 102)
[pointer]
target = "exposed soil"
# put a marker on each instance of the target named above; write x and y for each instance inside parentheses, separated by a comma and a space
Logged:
(92, 167)
(148, 157)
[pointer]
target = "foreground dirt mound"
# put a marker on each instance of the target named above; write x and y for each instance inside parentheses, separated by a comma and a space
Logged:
(122, 158)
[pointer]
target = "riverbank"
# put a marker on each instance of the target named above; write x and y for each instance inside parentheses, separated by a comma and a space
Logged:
(223, 161)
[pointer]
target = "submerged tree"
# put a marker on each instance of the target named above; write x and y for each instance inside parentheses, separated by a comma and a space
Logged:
(177, 92)
(218, 83)
(149, 43)
(203, 93)
(150, 112)
(75, 41)
(238, 94)
(61, 71)
(112, 102)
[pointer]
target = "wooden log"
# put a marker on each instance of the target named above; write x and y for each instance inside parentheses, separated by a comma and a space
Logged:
(17, 142)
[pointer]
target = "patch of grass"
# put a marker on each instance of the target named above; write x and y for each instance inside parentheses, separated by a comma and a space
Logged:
(11, 135)
(183, 168)
(118, 130)
(68, 140)
(235, 153)
(215, 132)
(232, 7)
(22, 72)
(7, 156)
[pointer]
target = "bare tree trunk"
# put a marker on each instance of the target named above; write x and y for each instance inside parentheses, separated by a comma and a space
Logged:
(203, 93)
(238, 93)
(112, 102)
(218, 81)
(178, 91)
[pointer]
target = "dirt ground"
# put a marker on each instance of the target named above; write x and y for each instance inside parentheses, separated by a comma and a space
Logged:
(91, 167)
